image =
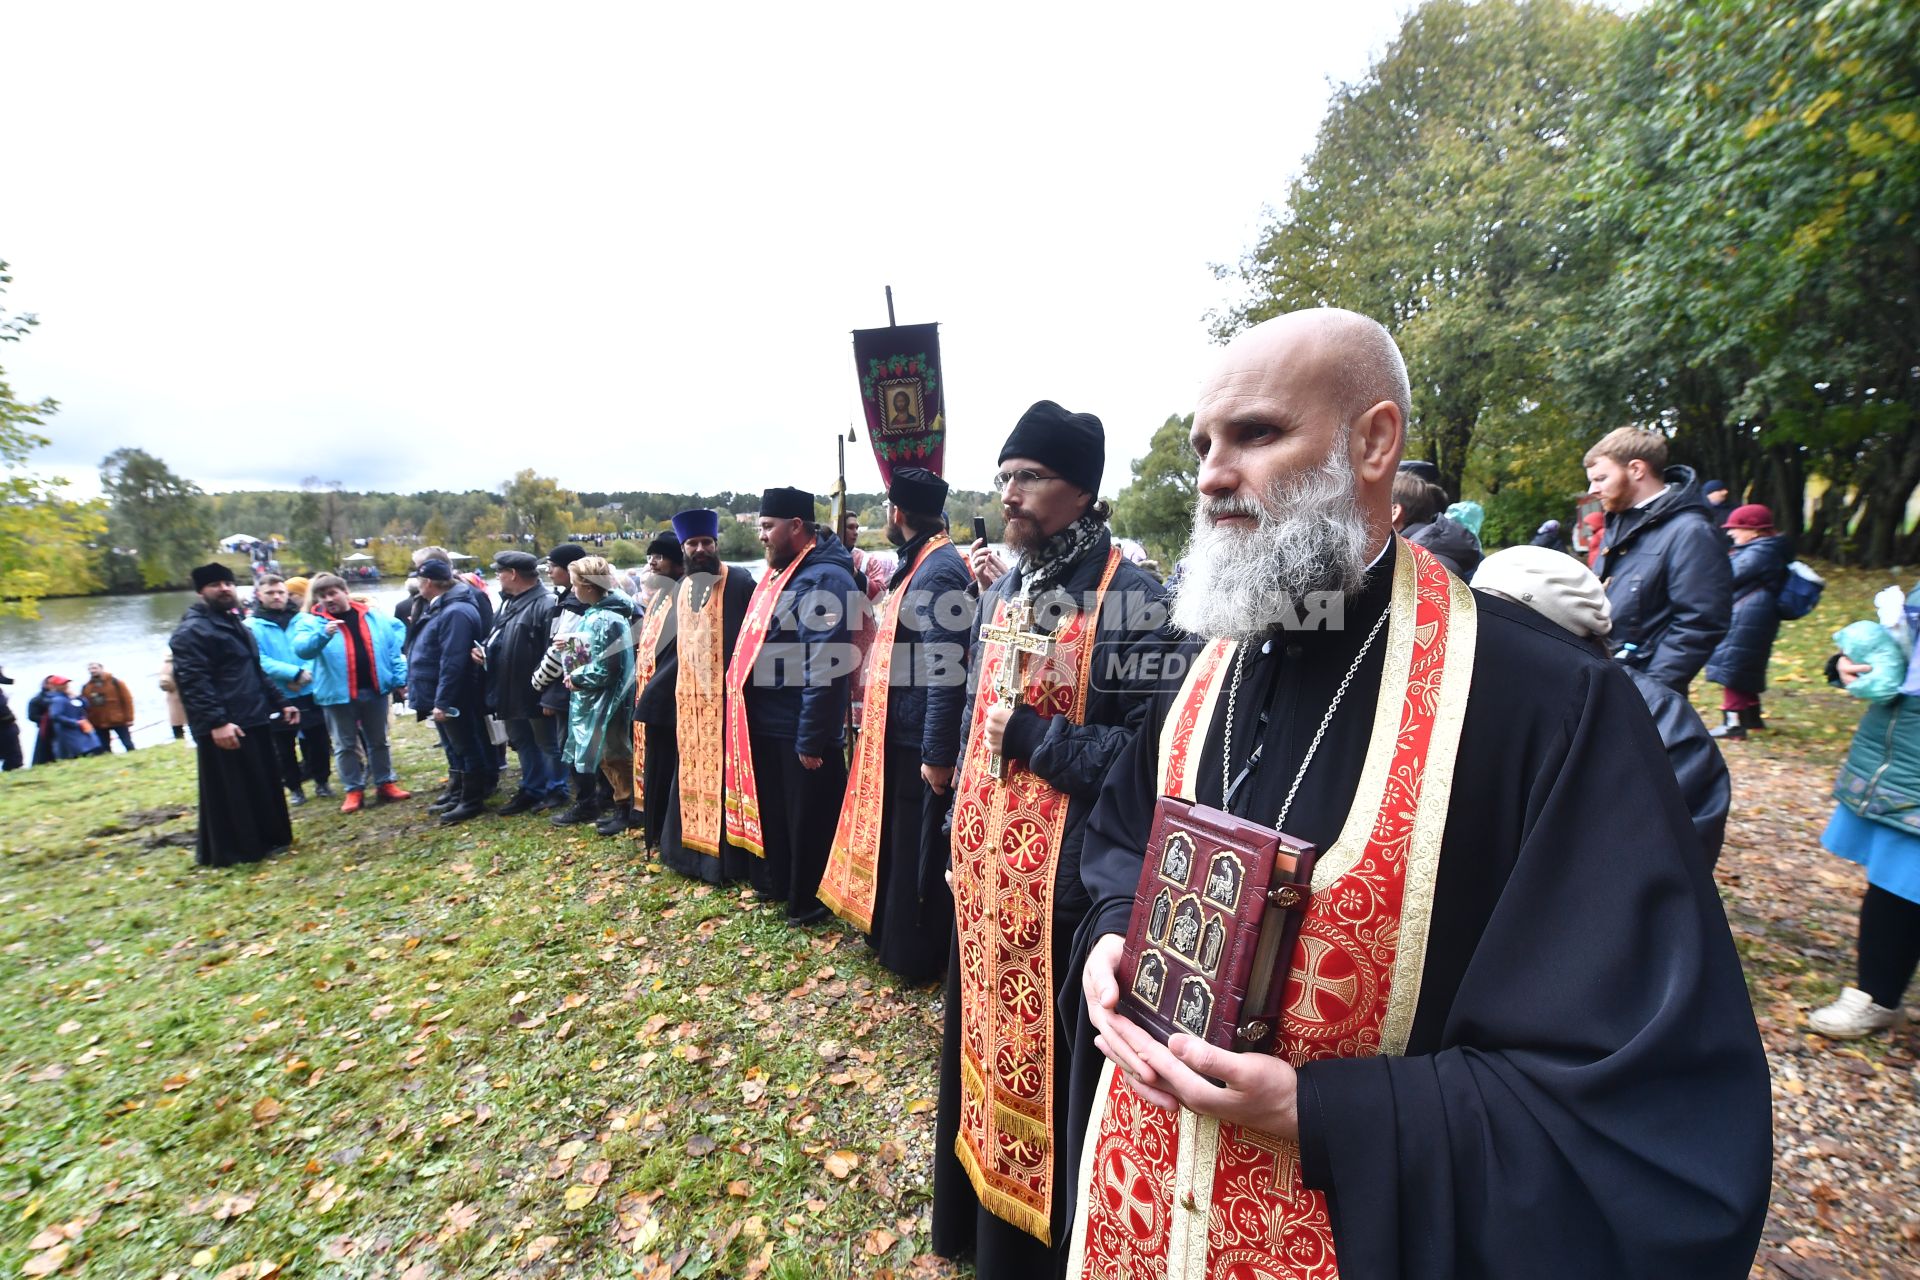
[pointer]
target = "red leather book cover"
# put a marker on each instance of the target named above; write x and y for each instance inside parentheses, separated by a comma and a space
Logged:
(1214, 920)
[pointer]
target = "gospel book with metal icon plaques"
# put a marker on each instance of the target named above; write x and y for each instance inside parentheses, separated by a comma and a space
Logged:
(1214, 924)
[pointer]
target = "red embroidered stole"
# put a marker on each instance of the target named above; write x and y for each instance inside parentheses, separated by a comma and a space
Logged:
(1006, 847)
(851, 877)
(646, 658)
(743, 793)
(699, 700)
(1243, 1212)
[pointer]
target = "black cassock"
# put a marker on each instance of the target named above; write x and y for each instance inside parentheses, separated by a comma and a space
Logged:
(216, 666)
(243, 811)
(657, 701)
(1584, 1091)
(1073, 759)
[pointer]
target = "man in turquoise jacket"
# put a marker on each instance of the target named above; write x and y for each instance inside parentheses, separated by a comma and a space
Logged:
(273, 622)
(359, 658)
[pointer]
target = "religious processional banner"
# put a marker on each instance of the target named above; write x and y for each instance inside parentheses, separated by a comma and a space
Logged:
(902, 394)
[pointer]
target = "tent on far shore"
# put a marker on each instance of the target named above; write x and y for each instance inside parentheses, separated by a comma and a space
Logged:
(235, 541)
(357, 559)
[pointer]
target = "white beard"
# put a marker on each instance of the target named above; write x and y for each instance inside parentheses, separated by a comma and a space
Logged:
(1311, 540)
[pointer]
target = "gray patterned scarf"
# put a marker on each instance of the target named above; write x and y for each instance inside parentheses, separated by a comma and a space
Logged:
(1046, 568)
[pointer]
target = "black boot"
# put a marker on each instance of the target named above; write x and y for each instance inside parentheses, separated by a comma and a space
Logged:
(1750, 720)
(321, 788)
(473, 800)
(522, 802)
(585, 806)
(449, 797)
(295, 797)
(619, 820)
(1734, 729)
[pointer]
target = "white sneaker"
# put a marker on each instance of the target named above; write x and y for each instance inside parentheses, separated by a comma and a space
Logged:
(1853, 1015)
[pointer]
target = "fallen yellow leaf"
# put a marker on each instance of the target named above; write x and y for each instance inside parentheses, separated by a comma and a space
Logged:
(580, 1195)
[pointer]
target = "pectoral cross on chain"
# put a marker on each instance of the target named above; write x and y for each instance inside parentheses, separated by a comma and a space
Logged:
(1017, 634)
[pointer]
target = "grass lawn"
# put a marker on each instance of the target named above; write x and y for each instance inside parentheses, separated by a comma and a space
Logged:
(503, 1049)
(1804, 712)
(402, 1049)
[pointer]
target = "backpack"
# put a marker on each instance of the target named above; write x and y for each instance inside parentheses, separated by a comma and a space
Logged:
(1801, 592)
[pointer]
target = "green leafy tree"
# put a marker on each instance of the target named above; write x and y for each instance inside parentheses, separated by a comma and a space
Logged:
(436, 533)
(739, 541)
(1760, 186)
(44, 536)
(1439, 200)
(1157, 508)
(537, 505)
(159, 524)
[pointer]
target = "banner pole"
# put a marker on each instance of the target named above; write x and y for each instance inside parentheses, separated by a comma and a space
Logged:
(890, 321)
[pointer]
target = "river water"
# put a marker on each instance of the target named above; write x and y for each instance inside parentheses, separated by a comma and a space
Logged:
(125, 634)
(128, 636)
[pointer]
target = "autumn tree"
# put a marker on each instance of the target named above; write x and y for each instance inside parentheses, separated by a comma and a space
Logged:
(45, 536)
(1758, 189)
(537, 505)
(1440, 199)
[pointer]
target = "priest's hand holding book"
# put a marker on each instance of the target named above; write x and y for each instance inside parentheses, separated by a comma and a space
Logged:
(1258, 1090)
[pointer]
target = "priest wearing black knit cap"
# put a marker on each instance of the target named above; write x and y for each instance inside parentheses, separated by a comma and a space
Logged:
(231, 708)
(886, 874)
(786, 752)
(1029, 770)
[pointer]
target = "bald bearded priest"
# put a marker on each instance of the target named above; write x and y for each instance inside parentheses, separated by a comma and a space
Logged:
(710, 604)
(1052, 692)
(1515, 1041)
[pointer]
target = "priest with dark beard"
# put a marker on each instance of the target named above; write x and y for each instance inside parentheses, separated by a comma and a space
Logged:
(1513, 1039)
(1051, 691)
(708, 607)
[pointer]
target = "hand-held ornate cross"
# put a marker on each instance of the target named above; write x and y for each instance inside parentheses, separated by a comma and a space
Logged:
(1017, 634)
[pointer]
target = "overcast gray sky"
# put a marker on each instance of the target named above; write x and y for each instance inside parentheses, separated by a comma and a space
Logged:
(415, 246)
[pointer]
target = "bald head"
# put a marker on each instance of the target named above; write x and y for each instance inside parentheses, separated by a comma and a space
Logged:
(1288, 392)
(1341, 358)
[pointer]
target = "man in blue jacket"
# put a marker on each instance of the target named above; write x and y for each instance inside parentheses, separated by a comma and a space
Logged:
(444, 683)
(796, 701)
(1665, 566)
(358, 658)
(272, 624)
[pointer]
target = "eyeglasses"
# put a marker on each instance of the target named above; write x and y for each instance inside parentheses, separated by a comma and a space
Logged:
(1023, 480)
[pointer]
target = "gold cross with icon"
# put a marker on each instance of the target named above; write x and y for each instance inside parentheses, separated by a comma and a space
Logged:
(1015, 632)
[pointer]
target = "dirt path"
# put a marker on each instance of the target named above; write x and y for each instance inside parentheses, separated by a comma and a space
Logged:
(1846, 1116)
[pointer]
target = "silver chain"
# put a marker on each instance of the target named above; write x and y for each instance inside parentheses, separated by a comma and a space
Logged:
(1233, 695)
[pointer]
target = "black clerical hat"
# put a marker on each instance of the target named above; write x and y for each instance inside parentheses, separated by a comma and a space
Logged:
(208, 574)
(787, 504)
(1073, 444)
(918, 490)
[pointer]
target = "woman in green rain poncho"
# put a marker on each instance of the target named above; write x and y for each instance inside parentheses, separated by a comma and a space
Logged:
(596, 661)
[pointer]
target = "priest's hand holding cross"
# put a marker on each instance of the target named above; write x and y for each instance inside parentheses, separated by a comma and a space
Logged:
(1260, 1091)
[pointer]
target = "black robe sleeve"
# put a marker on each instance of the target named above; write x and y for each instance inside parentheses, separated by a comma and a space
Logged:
(1598, 1102)
(193, 676)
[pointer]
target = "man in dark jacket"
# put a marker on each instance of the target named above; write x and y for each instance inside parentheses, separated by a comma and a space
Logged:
(522, 627)
(1759, 562)
(1055, 738)
(231, 708)
(444, 682)
(1565, 593)
(1665, 565)
(881, 877)
(795, 684)
(10, 756)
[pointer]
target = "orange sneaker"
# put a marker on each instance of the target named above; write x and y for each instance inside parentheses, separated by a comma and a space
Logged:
(352, 803)
(393, 791)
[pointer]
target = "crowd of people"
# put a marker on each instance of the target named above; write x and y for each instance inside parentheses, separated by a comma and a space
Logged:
(968, 757)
